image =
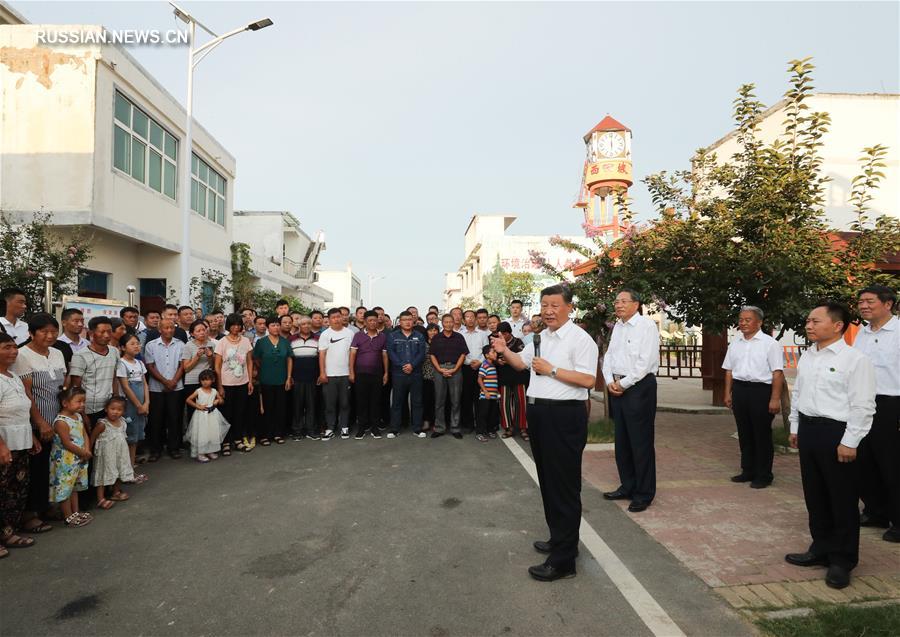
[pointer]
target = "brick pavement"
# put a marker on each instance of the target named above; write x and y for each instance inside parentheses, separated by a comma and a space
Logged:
(734, 537)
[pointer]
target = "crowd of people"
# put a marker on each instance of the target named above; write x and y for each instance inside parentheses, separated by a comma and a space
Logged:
(84, 405)
(77, 412)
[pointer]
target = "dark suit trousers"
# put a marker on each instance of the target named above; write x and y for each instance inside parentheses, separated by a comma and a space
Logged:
(831, 491)
(469, 397)
(166, 414)
(879, 462)
(750, 405)
(558, 436)
(367, 392)
(634, 414)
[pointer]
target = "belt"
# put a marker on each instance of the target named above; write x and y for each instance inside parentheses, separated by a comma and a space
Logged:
(553, 402)
(821, 420)
(751, 382)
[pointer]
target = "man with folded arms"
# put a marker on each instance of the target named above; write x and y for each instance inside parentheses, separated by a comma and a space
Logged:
(831, 412)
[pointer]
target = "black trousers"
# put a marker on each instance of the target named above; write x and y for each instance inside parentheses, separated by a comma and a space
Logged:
(831, 491)
(39, 480)
(305, 414)
(274, 404)
(166, 416)
(488, 415)
(469, 397)
(750, 405)
(634, 414)
(879, 462)
(367, 392)
(386, 404)
(406, 387)
(428, 401)
(234, 410)
(558, 436)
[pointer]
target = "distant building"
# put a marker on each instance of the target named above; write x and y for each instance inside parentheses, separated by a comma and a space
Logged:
(344, 285)
(90, 136)
(285, 258)
(486, 244)
(858, 120)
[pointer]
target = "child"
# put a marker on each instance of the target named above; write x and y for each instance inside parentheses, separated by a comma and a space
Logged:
(208, 428)
(69, 457)
(132, 377)
(112, 463)
(489, 398)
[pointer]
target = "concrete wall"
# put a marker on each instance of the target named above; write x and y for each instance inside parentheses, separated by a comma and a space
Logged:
(857, 121)
(344, 286)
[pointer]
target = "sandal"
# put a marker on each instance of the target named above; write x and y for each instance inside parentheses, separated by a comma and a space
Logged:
(239, 445)
(279, 440)
(264, 442)
(202, 459)
(524, 435)
(17, 542)
(119, 496)
(76, 519)
(41, 527)
(506, 434)
(105, 504)
(481, 438)
(140, 478)
(3, 553)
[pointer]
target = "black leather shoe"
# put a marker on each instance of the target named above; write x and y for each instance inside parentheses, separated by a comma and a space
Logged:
(548, 573)
(458, 435)
(437, 434)
(542, 547)
(741, 478)
(637, 507)
(759, 485)
(870, 520)
(892, 534)
(618, 494)
(837, 577)
(806, 559)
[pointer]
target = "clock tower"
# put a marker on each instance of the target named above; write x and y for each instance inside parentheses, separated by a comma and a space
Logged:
(607, 171)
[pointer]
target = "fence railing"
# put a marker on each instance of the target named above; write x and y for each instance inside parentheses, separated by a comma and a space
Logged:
(683, 361)
(295, 269)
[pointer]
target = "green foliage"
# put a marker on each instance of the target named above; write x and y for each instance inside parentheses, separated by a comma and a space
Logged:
(241, 273)
(468, 303)
(211, 290)
(501, 288)
(28, 250)
(750, 231)
(264, 300)
(837, 620)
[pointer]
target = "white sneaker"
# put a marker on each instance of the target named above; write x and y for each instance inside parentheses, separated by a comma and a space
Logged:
(421, 434)
(328, 435)
(345, 433)
(392, 435)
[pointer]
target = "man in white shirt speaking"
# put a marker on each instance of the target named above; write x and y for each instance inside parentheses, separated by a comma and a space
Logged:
(629, 368)
(563, 366)
(754, 378)
(879, 452)
(831, 411)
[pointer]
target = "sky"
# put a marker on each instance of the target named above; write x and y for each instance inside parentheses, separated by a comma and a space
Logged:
(388, 125)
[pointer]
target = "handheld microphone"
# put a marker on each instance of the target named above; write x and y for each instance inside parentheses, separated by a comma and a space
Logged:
(537, 346)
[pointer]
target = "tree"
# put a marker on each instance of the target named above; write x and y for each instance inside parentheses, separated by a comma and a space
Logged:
(241, 274)
(28, 250)
(501, 288)
(263, 301)
(211, 290)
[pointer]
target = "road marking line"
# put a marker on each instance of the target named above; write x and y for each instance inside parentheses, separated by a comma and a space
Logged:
(647, 608)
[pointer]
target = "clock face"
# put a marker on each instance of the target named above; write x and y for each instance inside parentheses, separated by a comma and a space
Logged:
(611, 144)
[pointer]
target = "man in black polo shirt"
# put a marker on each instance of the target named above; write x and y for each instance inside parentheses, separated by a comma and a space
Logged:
(448, 353)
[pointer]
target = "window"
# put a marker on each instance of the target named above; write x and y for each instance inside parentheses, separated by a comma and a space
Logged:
(207, 191)
(93, 284)
(144, 149)
(153, 294)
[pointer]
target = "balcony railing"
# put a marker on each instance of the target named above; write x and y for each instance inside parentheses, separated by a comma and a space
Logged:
(295, 269)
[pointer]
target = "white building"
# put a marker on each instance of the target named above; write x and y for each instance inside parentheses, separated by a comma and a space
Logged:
(344, 285)
(857, 121)
(90, 136)
(486, 244)
(285, 258)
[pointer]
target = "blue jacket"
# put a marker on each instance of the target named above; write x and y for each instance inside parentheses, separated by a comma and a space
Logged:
(404, 350)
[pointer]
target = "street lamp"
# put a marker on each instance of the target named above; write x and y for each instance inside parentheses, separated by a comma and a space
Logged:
(195, 56)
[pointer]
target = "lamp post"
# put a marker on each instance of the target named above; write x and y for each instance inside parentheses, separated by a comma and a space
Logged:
(372, 278)
(131, 290)
(195, 56)
(48, 292)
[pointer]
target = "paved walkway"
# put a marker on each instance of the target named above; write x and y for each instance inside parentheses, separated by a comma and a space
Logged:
(733, 537)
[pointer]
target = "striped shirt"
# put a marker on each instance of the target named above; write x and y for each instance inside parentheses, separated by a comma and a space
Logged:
(488, 375)
(47, 374)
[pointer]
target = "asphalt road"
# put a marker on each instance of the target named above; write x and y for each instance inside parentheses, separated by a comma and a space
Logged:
(374, 537)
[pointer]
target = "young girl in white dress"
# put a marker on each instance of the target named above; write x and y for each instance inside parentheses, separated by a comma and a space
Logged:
(208, 428)
(112, 462)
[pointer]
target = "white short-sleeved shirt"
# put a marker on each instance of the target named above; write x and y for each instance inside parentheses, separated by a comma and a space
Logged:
(15, 413)
(754, 359)
(883, 349)
(633, 351)
(568, 347)
(97, 372)
(167, 359)
(19, 331)
(132, 372)
(337, 345)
